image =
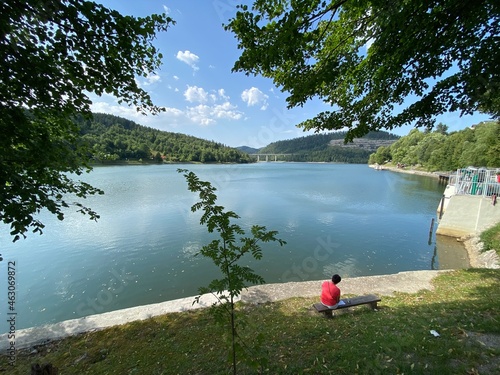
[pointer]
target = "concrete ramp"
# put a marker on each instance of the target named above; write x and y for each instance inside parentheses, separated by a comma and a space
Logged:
(468, 214)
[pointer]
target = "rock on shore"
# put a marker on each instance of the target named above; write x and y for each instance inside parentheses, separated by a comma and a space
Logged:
(479, 258)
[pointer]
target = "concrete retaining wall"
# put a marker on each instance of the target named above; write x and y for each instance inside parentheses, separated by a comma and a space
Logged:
(468, 214)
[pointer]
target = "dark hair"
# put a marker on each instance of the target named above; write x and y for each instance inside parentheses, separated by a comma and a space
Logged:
(336, 279)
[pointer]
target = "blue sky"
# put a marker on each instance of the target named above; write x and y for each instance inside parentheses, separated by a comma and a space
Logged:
(202, 96)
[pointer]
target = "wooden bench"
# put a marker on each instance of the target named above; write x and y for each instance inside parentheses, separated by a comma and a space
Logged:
(370, 299)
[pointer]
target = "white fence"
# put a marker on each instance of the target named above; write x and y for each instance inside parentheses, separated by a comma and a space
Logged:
(476, 181)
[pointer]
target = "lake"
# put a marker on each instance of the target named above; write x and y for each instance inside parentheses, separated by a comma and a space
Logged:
(335, 218)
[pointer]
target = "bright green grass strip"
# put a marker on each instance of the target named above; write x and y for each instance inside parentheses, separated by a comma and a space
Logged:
(491, 239)
(396, 339)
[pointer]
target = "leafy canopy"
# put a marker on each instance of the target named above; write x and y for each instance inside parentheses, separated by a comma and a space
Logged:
(439, 151)
(54, 53)
(379, 64)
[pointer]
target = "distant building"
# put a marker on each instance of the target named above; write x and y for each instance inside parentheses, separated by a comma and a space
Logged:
(365, 144)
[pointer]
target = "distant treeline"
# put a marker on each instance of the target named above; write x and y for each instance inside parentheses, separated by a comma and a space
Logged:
(317, 148)
(112, 138)
(478, 146)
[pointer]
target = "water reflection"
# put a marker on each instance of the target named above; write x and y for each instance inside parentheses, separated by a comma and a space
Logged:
(449, 253)
(346, 219)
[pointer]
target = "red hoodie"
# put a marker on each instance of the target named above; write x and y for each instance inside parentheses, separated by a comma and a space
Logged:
(330, 293)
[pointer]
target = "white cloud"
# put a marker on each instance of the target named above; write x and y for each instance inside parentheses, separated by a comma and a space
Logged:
(207, 115)
(213, 106)
(254, 96)
(117, 110)
(201, 114)
(189, 58)
(166, 10)
(173, 112)
(222, 94)
(170, 115)
(151, 79)
(208, 108)
(227, 110)
(196, 94)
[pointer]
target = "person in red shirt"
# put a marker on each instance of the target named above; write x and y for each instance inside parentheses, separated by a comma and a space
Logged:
(330, 292)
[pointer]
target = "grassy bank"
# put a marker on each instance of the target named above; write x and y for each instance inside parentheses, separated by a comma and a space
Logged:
(491, 239)
(463, 308)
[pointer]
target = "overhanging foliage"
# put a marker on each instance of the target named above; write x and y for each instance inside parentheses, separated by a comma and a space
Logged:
(53, 54)
(378, 64)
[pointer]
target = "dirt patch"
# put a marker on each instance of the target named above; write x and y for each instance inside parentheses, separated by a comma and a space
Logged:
(487, 340)
(491, 344)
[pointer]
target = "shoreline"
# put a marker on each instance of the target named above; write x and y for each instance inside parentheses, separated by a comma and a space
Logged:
(383, 285)
(408, 171)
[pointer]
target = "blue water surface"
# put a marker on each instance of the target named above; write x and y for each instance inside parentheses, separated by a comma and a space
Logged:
(335, 218)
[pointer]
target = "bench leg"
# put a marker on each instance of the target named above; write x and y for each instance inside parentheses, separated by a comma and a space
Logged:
(328, 313)
(373, 305)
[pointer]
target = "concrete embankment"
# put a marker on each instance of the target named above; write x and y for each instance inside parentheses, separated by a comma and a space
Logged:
(461, 215)
(466, 215)
(406, 282)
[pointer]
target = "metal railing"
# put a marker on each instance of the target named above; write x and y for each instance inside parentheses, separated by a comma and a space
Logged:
(476, 181)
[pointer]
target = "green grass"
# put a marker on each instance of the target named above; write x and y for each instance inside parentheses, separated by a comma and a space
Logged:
(491, 239)
(396, 339)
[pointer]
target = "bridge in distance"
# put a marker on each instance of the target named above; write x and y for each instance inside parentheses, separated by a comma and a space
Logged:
(272, 157)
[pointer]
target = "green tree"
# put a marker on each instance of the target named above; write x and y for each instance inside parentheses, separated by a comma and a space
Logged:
(381, 156)
(428, 145)
(402, 151)
(488, 144)
(478, 146)
(458, 144)
(378, 64)
(441, 128)
(226, 252)
(482, 149)
(53, 54)
(158, 157)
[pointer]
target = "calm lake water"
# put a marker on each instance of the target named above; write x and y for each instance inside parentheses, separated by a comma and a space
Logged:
(336, 218)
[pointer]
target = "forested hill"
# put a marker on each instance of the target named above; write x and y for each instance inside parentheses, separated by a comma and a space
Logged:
(330, 147)
(439, 150)
(113, 138)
